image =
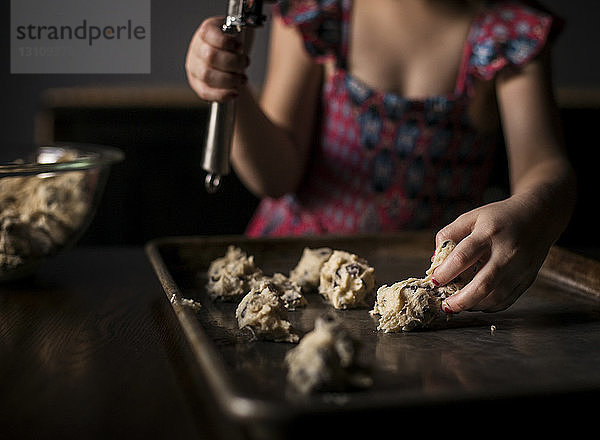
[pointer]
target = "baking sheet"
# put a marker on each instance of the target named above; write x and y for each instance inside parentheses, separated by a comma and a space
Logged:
(547, 343)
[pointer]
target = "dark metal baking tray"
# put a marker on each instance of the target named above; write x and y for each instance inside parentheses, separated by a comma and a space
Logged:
(546, 344)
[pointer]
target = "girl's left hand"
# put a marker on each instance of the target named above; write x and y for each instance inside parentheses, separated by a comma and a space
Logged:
(506, 241)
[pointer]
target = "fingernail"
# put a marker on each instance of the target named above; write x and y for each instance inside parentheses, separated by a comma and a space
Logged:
(446, 308)
(434, 281)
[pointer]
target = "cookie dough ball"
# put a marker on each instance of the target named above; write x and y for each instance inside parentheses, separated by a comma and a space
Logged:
(410, 304)
(263, 312)
(288, 291)
(307, 272)
(229, 276)
(325, 360)
(415, 302)
(346, 280)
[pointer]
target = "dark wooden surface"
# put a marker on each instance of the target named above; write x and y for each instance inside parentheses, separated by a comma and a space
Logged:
(89, 349)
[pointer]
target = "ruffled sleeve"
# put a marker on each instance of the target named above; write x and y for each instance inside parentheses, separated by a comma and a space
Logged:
(319, 21)
(508, 34)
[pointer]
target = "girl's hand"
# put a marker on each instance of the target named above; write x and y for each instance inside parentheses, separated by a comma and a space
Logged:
(216, 62)
(505, 242)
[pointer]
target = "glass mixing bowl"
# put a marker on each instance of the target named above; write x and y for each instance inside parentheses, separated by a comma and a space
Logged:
(47, 200)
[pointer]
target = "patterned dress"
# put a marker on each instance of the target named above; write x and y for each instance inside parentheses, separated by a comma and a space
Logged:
(387, 163)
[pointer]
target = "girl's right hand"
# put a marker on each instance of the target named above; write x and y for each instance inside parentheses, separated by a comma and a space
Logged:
(216, 62)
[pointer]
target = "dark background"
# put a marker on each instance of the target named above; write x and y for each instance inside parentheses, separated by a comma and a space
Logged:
(158, 189)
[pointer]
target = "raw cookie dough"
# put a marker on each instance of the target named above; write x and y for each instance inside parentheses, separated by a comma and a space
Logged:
(229, 276)
(325, 360)
(307, 272)
(415, 302)
(288, 291)
(439, 256)
(39, 214)
(346, 280)
(263, 312)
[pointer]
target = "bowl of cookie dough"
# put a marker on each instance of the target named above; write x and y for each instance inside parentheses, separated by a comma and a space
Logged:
(48, 197)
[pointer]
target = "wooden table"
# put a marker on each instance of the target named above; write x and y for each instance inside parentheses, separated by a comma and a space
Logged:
(89, 349)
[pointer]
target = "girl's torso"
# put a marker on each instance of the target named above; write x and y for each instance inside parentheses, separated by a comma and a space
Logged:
(398, 148)
(415, 49)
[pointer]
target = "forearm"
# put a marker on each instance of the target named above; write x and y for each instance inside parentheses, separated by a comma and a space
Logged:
(264, 154)
(273, 137)
(548, 191)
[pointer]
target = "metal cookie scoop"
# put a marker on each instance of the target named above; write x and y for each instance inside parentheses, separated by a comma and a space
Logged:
(240, 14)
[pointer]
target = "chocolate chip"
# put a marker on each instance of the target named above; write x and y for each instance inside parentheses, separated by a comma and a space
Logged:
(273, 288)
(303, 375)
(328, 318)
(353, 269)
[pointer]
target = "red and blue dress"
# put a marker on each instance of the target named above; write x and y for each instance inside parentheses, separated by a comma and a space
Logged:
(387, 163)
